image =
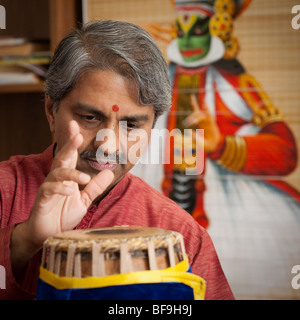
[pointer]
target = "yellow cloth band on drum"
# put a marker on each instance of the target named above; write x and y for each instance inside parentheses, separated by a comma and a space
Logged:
(179, 273)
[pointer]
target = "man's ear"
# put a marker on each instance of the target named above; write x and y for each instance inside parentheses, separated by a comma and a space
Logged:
(50, 113)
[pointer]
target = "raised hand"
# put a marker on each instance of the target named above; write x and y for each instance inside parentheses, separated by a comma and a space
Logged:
(203, 119)
(60, 204)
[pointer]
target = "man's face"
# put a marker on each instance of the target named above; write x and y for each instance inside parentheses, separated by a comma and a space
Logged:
(105, 106)
(193, 36)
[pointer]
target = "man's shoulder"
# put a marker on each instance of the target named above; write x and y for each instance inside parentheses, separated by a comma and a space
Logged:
(18, 163)
(11, 168)
(25, 167)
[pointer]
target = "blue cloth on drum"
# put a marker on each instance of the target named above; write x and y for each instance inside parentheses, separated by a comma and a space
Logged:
(175, 283)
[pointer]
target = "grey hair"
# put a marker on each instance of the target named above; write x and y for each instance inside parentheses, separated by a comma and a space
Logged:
(119, 46)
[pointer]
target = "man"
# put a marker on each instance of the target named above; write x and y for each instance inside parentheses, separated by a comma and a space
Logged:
(109, 75)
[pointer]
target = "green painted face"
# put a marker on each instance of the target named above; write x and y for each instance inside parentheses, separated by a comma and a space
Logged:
(193, 36)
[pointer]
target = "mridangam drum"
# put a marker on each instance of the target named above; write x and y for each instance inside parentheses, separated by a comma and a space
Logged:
(117, 263)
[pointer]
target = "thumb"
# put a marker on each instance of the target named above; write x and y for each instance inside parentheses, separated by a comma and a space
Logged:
(96, 187)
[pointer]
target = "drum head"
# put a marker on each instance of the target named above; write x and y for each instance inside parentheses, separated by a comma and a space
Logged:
(120, 233)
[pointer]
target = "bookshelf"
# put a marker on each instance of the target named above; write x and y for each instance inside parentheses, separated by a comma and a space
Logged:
(23, 124)
(18, 88)
(47, 20)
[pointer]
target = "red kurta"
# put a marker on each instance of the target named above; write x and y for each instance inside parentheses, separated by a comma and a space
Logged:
(130, 202)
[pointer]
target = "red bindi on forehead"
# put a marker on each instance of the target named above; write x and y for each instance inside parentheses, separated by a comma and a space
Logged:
(115, 108)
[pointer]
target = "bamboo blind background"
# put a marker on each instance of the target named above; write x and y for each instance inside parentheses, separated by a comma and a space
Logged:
(269, 47)
(270, 50)
(140, 12)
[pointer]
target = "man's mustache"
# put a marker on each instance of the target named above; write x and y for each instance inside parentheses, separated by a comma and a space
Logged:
(101, 156)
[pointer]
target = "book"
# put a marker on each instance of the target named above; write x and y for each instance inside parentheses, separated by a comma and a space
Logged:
(22, 61)
(39, 70)
(31, 59)
(11, 41)
(26, 48)
(7, 78)
(32, 62)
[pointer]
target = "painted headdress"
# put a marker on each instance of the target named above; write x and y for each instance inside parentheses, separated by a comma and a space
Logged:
(233, 7)
(222, 14)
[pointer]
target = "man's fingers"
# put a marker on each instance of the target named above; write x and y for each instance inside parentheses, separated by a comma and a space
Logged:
(48, 189)
(73, 129)
(69, 151)
(66, 174)
(67, 156)
(96, 187)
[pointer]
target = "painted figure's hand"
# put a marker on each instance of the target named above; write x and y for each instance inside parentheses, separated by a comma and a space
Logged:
(203, 119)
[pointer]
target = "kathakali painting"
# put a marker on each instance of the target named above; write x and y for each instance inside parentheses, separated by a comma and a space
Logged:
(247, 122)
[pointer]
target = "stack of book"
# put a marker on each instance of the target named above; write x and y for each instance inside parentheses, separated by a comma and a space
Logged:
(22, 61)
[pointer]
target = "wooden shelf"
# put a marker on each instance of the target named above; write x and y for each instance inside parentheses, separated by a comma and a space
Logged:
(34, 20)
(19, 88)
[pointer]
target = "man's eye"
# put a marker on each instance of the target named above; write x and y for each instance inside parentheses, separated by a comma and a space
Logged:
(128, 126)
(131, 125)
(88, 117)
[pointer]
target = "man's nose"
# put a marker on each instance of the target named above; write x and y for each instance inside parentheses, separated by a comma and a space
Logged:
(107, 138)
